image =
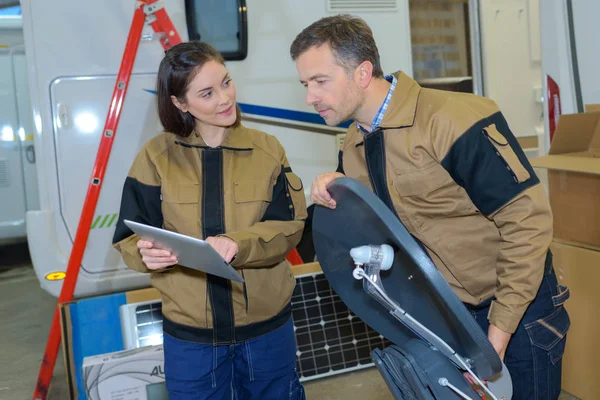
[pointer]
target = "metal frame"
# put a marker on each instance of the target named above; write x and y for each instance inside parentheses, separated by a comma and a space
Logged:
(475, 39)
(574, 59)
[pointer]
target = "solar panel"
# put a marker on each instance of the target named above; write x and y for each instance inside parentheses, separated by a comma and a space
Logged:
(149, 324)
(330, 338)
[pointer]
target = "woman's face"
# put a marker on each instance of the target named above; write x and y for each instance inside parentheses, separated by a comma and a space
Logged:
(210, 96)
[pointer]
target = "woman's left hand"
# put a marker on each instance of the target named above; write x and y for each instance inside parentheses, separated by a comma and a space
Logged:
(226, 247)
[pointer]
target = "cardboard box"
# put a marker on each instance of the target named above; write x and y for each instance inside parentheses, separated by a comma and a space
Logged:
(592, 108)
(579, 269)
(573, 165)
(126, 375)
(90, 327)
(306, 269)
(93, 326)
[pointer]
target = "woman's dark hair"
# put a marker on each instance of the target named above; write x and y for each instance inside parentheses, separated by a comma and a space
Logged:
(177, 69)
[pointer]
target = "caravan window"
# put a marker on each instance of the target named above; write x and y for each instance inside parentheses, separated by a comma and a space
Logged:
(10, 11)
(220, 23)
(441, 47)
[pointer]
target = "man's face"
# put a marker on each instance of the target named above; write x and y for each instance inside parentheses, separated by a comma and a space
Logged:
(332, 91)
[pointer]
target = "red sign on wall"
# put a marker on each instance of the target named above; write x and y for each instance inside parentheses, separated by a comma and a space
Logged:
(554, 108)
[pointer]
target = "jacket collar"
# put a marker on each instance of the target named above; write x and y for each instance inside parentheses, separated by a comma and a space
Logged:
(237, 138)
(401, 110)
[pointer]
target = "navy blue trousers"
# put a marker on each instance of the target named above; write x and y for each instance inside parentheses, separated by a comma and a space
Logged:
(534, 353)
(260, 368)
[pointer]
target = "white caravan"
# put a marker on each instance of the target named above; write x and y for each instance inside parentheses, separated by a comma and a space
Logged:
(18, 186)
(74, 49)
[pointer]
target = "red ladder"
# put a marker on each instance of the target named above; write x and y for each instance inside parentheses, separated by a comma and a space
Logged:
(153, 13)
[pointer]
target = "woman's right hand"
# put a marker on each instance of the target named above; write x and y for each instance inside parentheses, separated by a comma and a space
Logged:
(155, 257)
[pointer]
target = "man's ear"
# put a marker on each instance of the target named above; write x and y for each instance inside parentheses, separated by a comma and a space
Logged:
(364, 74)
(181, 106)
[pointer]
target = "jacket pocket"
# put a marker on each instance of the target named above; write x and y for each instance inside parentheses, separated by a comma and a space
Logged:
(269, 290)
(549, 333)
(251, 201)
(250, 191)
(294, 195)
(430, 194)
(181, 207)
(423, 181)
(177, 303)
(506, 152)
(293, 181)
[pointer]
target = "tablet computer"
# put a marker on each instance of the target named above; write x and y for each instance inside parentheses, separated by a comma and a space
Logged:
(191, 252)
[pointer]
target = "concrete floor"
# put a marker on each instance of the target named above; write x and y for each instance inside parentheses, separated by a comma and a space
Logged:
(26, 314)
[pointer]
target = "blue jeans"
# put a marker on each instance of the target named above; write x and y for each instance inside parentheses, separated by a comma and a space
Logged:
(260, 368)
(534, 353)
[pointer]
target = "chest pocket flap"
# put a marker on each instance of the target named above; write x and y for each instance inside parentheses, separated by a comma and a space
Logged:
(181, 193)
(248, 191)
(181, 207)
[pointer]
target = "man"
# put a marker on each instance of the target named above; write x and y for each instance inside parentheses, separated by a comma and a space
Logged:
(449, 167)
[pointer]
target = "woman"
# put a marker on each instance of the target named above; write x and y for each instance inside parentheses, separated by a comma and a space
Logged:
(208, 176)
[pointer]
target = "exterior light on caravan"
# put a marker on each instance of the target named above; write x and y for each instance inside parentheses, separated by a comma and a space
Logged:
(86, 122)
(56, 276)
(7, 134)
(22, 134)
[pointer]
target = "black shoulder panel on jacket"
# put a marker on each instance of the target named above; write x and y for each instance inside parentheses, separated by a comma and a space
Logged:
(139, 203)
(281, 207)
(492, 172)
(340, 167)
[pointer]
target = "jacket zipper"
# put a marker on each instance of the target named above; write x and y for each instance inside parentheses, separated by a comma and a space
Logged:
(245, 291)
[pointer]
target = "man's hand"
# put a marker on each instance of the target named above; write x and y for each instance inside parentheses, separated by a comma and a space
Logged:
(226, 247)
(319, 194)
(499, 339)
(155, 257)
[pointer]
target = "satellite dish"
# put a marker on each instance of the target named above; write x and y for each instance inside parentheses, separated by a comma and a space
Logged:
(410, 303)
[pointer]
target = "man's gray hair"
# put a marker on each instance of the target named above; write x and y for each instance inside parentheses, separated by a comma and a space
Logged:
(349, 37)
